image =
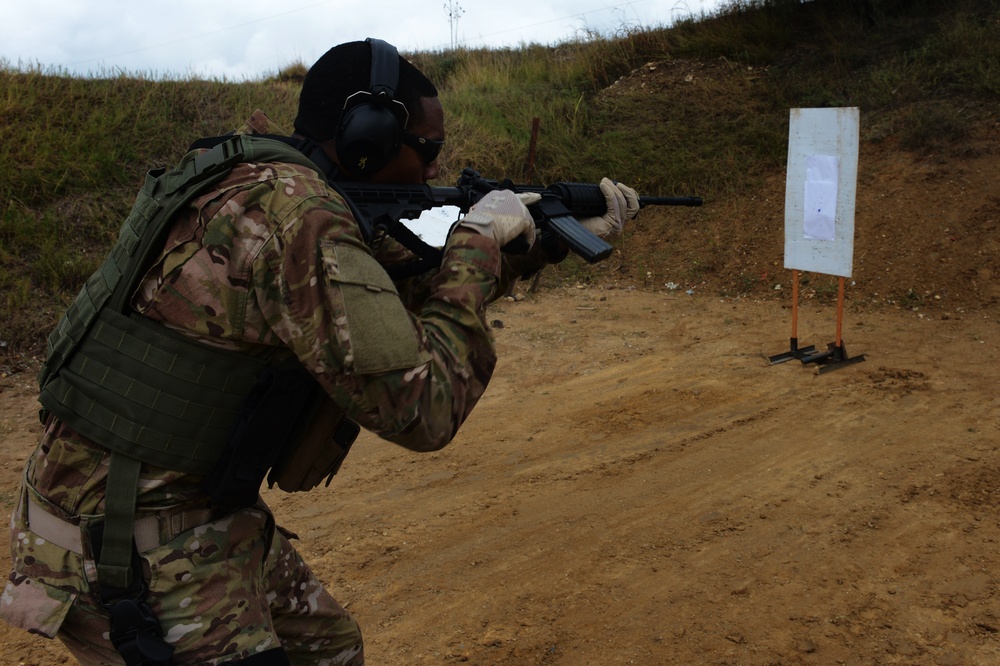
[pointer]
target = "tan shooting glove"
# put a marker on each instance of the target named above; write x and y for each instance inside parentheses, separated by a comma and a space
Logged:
(502, 215)
(623, 204)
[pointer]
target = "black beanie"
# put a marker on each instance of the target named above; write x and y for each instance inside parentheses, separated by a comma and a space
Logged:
(339, 73)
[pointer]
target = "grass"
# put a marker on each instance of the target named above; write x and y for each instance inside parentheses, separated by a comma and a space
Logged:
(72, 153)
(73, 150)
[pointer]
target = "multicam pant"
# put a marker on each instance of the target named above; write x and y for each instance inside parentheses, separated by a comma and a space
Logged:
(222, 592)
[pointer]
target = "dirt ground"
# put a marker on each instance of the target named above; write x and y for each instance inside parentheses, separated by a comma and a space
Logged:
(640, 485)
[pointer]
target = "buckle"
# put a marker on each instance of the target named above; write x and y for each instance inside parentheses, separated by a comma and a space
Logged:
(219, 158)
(136, 634)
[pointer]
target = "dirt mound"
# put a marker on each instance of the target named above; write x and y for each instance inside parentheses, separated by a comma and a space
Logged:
(926, 224)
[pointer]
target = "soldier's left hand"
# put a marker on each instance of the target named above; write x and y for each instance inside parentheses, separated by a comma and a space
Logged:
(623, 205)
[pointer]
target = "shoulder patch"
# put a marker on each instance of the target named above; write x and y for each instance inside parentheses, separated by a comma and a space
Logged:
(381, 333)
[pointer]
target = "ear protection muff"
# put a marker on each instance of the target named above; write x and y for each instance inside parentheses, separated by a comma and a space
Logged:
(372, 121)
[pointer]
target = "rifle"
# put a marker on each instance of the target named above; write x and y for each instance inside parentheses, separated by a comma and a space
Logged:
(380, 207)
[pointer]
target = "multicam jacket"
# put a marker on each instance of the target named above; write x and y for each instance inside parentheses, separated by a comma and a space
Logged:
(257, 263)
(234, 274)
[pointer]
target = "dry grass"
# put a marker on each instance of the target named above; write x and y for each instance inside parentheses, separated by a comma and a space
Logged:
(72, 151)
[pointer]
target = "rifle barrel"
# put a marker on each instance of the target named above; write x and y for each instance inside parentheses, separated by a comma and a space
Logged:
(669, 201)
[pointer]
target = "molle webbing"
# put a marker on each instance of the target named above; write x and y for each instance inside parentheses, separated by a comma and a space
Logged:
(149, 394)
(128, 382)
(142, 390)
(161, 196)
(105, 370)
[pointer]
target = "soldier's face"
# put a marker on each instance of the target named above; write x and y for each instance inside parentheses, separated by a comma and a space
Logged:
(409, 165)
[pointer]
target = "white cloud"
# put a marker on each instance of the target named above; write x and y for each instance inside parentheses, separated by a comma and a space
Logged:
(254, 38)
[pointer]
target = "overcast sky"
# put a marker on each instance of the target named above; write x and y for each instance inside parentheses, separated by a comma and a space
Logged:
(249, 39)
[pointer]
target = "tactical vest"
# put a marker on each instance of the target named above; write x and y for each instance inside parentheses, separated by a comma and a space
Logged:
(152, 395)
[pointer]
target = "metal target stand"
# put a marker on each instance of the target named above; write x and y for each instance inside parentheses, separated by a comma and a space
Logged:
(835, 356)
(820, 189)
(795, 351)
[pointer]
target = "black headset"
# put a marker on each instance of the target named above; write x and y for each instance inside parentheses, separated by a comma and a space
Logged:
(372, 121)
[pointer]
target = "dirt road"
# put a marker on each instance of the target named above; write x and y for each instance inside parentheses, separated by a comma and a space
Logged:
(640, 486)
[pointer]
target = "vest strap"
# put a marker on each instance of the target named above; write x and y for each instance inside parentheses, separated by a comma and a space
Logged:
(114, 568)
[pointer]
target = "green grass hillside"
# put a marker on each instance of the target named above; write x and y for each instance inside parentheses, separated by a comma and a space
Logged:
(925, 74)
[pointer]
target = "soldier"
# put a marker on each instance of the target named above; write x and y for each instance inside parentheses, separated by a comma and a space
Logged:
(241, 328)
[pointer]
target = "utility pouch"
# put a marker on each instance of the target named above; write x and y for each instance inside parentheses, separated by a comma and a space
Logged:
(270, 421)
(319, 453)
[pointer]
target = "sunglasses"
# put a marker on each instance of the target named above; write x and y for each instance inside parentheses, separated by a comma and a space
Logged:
(428, 149)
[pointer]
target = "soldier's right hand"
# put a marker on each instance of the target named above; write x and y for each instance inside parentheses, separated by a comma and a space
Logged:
(502, 215)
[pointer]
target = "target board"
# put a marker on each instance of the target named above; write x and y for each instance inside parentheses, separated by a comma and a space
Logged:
(820, 188)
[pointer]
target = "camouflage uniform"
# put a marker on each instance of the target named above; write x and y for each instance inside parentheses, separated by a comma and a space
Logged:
(252, 265)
